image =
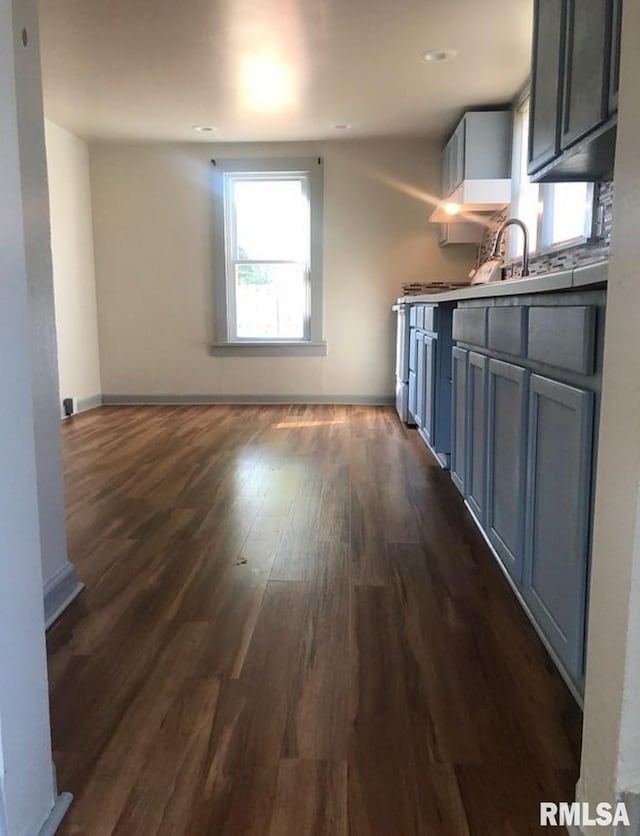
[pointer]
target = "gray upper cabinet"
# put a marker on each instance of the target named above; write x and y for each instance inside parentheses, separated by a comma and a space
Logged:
(506, 463)
(546, 82)
(586, 80)
(616, 40)
(445, 167)
(459, 416)
(453, 161)
(479, 149)
(558, 503)
(458, 156)
(574, 89)
(476, 434)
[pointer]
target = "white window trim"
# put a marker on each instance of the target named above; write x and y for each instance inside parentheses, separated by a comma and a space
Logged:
(225, 341)
(545, 197)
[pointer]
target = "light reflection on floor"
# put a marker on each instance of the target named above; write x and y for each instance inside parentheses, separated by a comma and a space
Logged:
(296, 424)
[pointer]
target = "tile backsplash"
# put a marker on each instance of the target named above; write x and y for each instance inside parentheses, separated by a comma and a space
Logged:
(595, 249)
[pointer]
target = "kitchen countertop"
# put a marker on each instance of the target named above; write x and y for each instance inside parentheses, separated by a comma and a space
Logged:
(579, 277)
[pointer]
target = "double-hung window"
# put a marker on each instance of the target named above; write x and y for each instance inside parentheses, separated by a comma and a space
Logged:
(269, 256)
(558, 215)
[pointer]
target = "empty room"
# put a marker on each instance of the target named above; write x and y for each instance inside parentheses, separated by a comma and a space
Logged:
(319, 418)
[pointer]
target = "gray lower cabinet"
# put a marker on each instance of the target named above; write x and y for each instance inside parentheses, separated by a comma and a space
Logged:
(420, 381)
(428, 416)
(506, 450)
(477, 434)
(459, 413)
(413, 394)
(413, 348)
(558, 511)
(526, 382)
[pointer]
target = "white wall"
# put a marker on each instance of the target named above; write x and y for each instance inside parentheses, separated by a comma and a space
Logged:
(152, 209)
(74, 281)
(45, 392)
(611, 748)
(26, 386)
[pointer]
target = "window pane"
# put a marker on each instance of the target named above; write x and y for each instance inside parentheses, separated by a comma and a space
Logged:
(571, 203)
(528, 193)
(270, 301)
(271, 219)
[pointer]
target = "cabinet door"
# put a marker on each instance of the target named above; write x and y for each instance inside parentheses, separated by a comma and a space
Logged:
(413, 350)
(558, 503)
(459, 418)
(458, 156)
(616, 40)
(446, 170)
(506, 463)
(546, 81)
(586, 88)
(477, 434)
(413, 396)
(428, 418)
(420, 381)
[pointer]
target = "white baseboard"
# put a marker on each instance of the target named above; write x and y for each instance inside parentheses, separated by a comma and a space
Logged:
(177, 400)
(59, 592)
(91, 402)
(54, 819)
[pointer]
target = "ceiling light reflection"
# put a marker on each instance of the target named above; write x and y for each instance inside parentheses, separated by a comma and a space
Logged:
(267, 84)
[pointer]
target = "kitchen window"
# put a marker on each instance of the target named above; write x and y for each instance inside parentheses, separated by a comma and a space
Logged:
(558, 215)
(268, 219)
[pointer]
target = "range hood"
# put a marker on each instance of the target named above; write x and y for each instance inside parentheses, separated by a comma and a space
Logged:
(473, 197)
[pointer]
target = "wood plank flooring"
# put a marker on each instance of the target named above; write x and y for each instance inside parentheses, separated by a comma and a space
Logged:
(291, 628)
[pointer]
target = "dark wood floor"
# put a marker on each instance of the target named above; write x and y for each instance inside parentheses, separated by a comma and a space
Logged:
(291, 628)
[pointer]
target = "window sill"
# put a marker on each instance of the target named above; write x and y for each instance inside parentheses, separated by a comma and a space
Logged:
(269, 349)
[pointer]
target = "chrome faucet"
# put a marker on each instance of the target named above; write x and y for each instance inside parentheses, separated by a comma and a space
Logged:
(525, 248)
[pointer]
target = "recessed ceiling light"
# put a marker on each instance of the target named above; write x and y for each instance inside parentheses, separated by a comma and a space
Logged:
(342, 127)
(204, 129)
(436, 56)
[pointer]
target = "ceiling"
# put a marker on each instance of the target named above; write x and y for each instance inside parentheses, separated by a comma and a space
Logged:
(277, 69)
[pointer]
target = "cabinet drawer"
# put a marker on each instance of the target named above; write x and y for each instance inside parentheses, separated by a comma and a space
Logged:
(470, 325)
(563, 337)
(430, 318)
(507, 330)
